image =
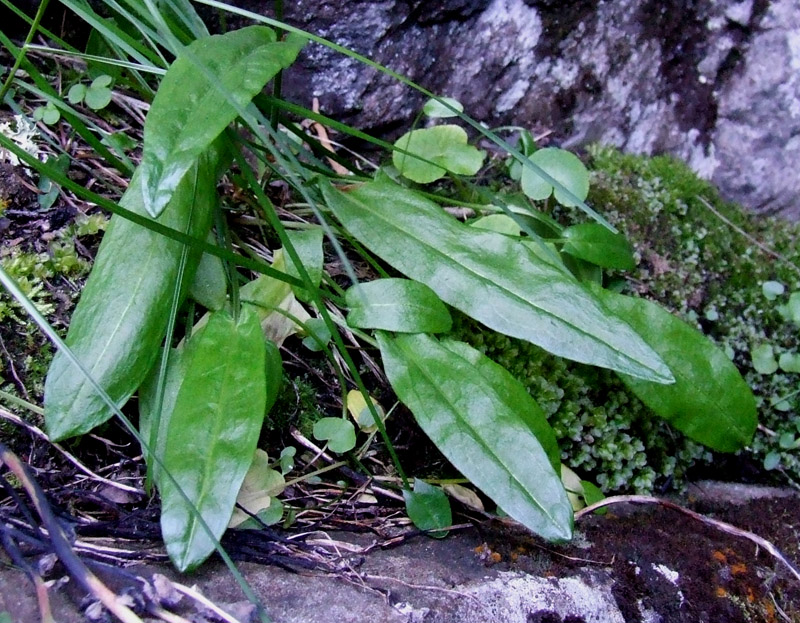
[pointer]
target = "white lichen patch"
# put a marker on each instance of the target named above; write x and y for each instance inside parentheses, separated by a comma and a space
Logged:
(671, 576)
(22, 131)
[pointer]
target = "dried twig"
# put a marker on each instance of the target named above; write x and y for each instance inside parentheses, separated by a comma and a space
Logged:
(61, 546)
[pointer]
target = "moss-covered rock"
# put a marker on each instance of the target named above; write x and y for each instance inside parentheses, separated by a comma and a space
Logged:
(703, 259)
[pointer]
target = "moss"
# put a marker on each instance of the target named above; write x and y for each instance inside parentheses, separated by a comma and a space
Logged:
(298, 405)
(701, 268)
(51, 280)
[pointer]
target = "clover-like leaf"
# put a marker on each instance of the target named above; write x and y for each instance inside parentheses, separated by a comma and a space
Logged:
(772, 289)
(98, 95)
(432, 152)
(428, 507)
(339, 433)
(564, 167)
(789, 362)
(763, 358)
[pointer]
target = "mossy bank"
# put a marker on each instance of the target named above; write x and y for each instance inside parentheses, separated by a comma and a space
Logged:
(708, 262)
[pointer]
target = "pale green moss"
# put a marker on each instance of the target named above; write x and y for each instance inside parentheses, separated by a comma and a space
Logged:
(51, 280)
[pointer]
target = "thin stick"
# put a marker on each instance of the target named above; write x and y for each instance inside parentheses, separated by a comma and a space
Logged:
(716, 523)
(749, 238)
(88, 580)
(200, 598)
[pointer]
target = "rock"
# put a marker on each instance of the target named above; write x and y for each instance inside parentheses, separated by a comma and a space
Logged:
(716, 83)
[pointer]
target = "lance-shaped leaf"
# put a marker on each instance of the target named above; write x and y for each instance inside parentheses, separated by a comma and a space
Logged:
(212, 433)
(709, 402)
(397, 305)
(195, 101)
(122, 314)
(307, 244)
(479, 417)
(491, 277)
(599, 245)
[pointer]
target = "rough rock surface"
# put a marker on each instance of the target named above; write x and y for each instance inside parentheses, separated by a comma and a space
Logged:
(714, 82)
(635, 564)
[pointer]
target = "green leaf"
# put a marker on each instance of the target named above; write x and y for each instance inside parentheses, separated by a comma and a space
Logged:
(148, 407)
(101, 82)
(442, 145)
(437, 110)
(98, 95)
(599, 245)
(492, 278)
(592, 493)
(772, 289)
(210, 285)
(212, 433)
(429, 508)
(339, 433)
(772, 460)
(709, 402)
(318, 335)
(787, 441)
(122, 314)
(286, 459)
(499, 223)
(191, 107)
(480, 418)
(763, 358)
(563, 166)
(76, 94)
(308, 245)
(789, 362)
(794, 307)
(397, 305)
(50, 190)
(51, 114)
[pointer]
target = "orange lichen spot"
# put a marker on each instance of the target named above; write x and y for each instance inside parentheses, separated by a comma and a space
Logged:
(738, 568)
(480, 549)
(719, 556)
(721, 592)
(514, 556)
(769, 611)
(494, 558)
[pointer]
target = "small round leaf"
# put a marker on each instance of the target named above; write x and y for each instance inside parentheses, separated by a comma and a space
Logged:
(339, 433)
(428, 507)
(764, 359)
(438, 150)
(565, 168)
